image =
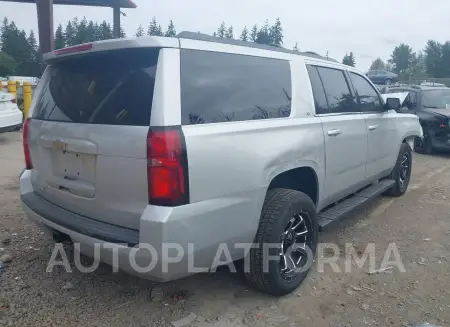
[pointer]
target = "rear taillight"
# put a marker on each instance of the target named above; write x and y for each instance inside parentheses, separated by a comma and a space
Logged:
(14, 100)
(26, 147)
(167, 173)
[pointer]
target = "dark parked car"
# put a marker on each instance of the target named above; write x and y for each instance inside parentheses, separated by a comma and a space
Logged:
(432, 106)
(383, 77)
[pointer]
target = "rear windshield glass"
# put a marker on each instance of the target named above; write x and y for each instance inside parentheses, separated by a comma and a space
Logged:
(109, 88)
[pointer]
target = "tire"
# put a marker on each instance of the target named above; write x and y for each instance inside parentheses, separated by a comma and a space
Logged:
(423, 146)
(399, 174)
(282, 208)
(387, 81)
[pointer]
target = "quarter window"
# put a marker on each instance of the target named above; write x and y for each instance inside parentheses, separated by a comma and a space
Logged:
(222, 87)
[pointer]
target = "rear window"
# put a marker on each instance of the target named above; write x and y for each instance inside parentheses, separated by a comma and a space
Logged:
(221, 87)
(109, 88)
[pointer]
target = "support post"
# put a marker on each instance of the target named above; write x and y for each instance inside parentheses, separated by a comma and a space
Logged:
(116, 20)
(45, 25)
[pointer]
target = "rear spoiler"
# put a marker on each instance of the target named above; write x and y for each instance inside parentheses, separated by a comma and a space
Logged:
(114, 44)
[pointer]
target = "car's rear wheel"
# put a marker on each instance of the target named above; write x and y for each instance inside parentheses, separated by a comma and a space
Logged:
(285, 242)
(401, 173)
(388, 81)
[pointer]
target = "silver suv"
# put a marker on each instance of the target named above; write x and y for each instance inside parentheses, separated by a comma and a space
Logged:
(178, 152)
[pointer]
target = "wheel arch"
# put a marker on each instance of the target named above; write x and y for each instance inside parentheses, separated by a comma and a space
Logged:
(303, 179)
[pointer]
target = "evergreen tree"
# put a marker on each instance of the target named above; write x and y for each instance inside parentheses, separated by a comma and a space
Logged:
(171, 32)
(276, 33)
(446, 59)
(105, 31)
(91, 32)
(33, 64)
(349, 59)
(140, 31)
(154, 29)
(221, 30)
(7, 64)
(263, 36)
(69, 34)
(81, 34)
(229, 33)
(59, 38)
(433, 51)
(122, 33)
(244, 35)
(97, 35)
(254, 33)
(4, 31)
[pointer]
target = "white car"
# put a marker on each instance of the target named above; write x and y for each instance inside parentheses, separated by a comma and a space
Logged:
(10, 115)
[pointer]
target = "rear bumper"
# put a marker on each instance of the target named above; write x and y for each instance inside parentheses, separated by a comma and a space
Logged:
(173, 241)
(10, 121)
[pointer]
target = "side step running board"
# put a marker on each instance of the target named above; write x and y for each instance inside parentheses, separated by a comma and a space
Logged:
(343, 208)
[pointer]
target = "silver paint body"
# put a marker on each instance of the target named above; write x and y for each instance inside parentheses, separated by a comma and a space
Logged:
(231, 164)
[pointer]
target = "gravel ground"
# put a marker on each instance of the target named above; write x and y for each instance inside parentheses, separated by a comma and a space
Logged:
(418, 223)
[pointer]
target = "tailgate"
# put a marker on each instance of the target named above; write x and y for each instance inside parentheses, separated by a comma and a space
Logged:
(88, 134)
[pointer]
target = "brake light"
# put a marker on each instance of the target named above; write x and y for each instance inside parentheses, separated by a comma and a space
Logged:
(76, 48)
(167, 174)
(14, 100)
(26, 147)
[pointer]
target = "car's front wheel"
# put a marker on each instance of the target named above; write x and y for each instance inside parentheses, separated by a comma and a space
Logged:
(285, 242)
(401, 173)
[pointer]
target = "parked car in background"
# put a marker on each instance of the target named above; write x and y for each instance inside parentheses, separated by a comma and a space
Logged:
(383, 77)
(207, 142)
(10, 116)
(432, 106)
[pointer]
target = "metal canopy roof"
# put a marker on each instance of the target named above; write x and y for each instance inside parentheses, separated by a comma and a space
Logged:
(98, 3)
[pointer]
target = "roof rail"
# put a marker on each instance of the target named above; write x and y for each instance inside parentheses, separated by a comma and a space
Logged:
(274, 47)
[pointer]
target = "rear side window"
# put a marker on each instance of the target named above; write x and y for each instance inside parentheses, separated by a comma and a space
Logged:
(109, 88)
(320, 99)
(221, 87)
(368, 98)
(337, 91)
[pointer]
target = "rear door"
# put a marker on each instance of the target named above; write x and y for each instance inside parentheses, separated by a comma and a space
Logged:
(344, 131)
(382, 139)
(88, 133)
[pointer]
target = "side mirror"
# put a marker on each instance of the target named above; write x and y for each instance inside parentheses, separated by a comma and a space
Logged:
(393, 103)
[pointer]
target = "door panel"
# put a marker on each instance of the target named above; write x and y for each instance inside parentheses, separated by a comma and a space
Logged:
(346, 151)
(381, 143)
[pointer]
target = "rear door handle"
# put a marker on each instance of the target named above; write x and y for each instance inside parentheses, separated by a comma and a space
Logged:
(334, 132)
(372, 127)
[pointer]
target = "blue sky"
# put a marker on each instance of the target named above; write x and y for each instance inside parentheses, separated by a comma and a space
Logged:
(369, 29)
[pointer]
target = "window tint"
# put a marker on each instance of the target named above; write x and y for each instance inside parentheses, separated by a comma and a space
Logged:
(336, 89)
(367, 98)
(318, 91)
(110, 88)
(220, 87)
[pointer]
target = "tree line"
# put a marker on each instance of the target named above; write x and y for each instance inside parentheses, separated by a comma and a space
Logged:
(432, 61)
(19, 52)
